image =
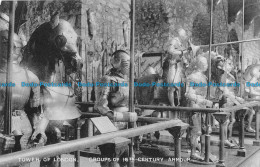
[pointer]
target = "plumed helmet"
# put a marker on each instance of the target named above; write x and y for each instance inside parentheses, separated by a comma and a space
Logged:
(251, 71)
(121, 61)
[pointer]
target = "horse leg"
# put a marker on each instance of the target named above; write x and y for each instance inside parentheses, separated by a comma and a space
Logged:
(54, 136)
(157, 114)
(171, 92)
(171, 96)
(227, 126)
(27, 132)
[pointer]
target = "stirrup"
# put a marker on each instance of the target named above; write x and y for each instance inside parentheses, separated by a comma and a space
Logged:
(213, 158)
(196, 157)
(250, 130)
(228, 144)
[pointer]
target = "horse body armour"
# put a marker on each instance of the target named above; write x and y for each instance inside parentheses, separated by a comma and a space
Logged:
(20, 94)
(60, 104)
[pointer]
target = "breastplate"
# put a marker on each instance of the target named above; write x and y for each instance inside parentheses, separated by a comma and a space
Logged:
(232, 89)
(119, 95)
(199, 78)
(202, 91)
(20, 95)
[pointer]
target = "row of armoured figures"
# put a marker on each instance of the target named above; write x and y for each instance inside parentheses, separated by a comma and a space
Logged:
(39, 112)
(189, 68)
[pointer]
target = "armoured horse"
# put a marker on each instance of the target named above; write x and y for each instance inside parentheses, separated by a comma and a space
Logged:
(51, 53)
(157, 95)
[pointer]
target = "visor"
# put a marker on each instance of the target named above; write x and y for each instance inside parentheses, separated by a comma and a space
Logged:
(17, 40)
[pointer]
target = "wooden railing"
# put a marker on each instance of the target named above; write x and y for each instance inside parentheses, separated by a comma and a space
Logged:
(174, 125)
(220, 114)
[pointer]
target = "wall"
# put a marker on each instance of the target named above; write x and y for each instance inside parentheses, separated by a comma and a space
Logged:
(108, 19)
(109, 16)
(251, 50)
(158, 21)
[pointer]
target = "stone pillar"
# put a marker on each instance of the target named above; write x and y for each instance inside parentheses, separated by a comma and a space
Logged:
(177, 132)
(80, 122)
(242, 151)
(257, 115)
(221, 118)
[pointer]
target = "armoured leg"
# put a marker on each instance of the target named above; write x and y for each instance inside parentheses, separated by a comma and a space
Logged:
(111, 152)
(195, 133)
(226, 129)
(250, 113)
(123, 153)
(226, 138)
(54, 136)
(230, 126)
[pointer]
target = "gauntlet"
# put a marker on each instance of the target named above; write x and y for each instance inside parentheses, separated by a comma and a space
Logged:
(125, 117)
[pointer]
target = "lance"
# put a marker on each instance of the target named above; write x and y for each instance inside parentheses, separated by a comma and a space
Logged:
(8, 104)
(131, 89)
(93, 97)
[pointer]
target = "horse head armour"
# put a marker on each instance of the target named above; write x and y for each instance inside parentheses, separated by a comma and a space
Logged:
(52, 41)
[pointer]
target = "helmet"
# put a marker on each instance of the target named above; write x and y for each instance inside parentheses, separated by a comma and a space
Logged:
(121, 61)
(255, 72)
(18, 44)
(202, 63)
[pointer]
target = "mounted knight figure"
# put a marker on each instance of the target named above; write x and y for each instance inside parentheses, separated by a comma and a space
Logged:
(174, 66)
(50, 51)
(229, 96)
